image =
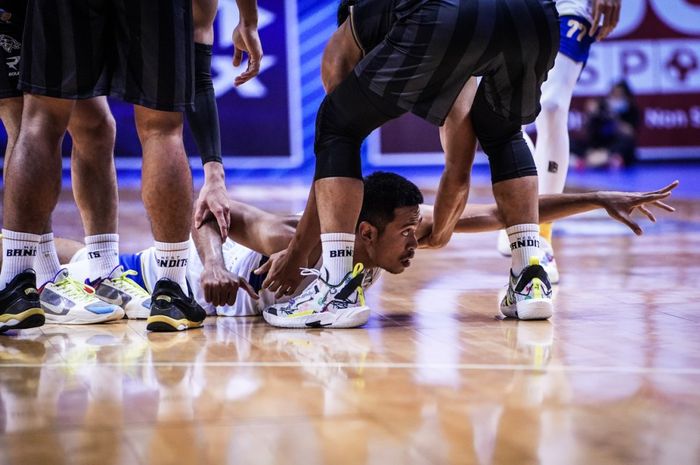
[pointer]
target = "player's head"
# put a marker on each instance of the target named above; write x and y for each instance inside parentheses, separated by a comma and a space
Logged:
(344, 10)
(388, 220)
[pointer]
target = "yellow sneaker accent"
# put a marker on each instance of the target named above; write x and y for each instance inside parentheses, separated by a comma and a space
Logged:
(546, 231)
(534, 261)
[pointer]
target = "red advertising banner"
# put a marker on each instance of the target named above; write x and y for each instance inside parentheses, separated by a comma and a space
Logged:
(655, 48)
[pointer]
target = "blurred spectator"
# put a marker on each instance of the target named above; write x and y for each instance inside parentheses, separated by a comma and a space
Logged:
(611, 125)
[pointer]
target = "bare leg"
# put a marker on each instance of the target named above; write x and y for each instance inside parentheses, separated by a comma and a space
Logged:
(517, 200)
(167, 181)
(11, 116)
(93, 130)
(33, 177)
(339, 201)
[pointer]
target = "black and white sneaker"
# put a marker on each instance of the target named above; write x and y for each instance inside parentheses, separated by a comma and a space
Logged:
(19, 303)
(172, 310)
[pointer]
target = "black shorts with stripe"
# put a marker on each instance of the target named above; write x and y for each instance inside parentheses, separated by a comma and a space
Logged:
(140, 51)
(11, 26)
(431, 48)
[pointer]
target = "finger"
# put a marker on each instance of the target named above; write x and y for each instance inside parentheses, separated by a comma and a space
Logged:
(647, 213)
(237, 57)
(663, 206)
(231, 294)
(630, 224)
(221, 220)
(199, 214)
(607, 27)
(265, 268)
(247, 75)
(248, 288)
(207, 292)
(595, 21)
(668, 188)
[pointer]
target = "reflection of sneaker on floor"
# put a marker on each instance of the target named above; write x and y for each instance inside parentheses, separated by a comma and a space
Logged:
(19, 303)
(323, 305)
(531, 343)
(548, 262)
(119, 289)
(172, 310)
(529, 295)
(503, 244)
(67, 301)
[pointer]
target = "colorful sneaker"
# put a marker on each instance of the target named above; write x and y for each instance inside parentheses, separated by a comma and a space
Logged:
(503, 245)
(529, 295)
(119, 289)
(19, 303)
(67, 301)
(323, 305)
(548, 262)
(172, 310)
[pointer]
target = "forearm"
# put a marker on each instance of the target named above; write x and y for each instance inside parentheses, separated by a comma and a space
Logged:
(479, 218)
(208, 242)
(248, 11)
(449, 205)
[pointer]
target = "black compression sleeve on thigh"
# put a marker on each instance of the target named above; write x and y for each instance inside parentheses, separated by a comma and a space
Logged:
(204, 119)
(502, 140)
(346, 116)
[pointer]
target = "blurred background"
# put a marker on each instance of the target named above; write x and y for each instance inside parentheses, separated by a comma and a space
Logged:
(634, 122)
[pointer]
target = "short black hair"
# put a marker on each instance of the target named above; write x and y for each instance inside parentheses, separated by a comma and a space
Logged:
(384, 193)
(344, 10)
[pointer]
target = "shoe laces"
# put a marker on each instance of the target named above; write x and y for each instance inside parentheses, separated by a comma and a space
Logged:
(74, 289)
(125, 283)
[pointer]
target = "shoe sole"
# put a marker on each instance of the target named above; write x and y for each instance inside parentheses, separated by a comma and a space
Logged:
(165, 324)
(141, 314)
(535, 309)
(30, 318)
(349, 318)
(84, 318)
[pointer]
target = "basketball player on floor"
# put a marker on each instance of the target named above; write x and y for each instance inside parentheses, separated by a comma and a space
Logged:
(427, 53)
(392, 221)
(581, 23)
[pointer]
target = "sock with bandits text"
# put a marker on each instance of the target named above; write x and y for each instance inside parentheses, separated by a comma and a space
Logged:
(338, 250)
(102, 254)
(18, 253)
(524, 243)
(171, 262)
(46, 264)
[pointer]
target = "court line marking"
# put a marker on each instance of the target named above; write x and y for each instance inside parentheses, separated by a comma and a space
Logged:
(383, 365)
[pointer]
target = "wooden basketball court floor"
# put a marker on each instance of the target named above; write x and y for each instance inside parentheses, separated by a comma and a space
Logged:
(434, 378)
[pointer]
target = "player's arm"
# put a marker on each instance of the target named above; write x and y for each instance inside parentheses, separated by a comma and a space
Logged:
(619, 205)
(246, 40)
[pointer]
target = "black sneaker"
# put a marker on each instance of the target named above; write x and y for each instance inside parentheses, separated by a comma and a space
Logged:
(19, 303)
(172, 310)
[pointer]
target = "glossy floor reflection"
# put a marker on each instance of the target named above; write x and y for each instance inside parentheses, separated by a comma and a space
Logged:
(433, 378)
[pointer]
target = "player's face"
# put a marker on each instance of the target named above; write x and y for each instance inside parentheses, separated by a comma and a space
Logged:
(397, 244)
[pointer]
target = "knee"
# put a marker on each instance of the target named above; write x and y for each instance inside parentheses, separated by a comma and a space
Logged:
(152, 123)
(554, 107)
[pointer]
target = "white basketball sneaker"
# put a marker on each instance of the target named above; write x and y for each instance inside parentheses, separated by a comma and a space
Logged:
(529, 295)
(67, 301)
(548, 262)
(323, 305)
(119, 289)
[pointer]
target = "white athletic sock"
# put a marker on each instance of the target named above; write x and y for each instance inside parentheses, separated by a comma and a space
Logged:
(524, 243)
(102, 253)
(171, 262)
(18, 252)
(338, 249)
(47, 264)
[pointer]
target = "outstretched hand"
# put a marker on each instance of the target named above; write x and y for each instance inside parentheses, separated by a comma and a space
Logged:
(246, 40)
(621, 205)
(283, 274)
